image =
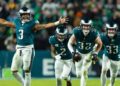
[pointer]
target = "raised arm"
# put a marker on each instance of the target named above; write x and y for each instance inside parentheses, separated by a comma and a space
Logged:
(45, 26)
(6, 23)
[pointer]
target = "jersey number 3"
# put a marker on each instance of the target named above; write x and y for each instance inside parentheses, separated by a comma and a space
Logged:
(21, 34)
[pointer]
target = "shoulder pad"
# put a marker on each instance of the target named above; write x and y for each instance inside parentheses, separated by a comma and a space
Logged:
(51, 39)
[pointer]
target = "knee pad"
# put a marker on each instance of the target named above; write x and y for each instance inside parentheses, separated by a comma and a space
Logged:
(14, 72)
(85, 73)
(26, 68)
(27, 71)
(114, 75)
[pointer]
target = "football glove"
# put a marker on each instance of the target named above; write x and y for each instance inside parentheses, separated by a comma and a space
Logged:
(94, 57)
(76, 56)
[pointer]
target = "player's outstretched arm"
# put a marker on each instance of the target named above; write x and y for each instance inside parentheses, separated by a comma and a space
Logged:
(6, 23)
(45, 26)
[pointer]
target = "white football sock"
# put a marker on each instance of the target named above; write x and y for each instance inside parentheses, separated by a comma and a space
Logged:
(83, 78)
(103, 79)
(58, 82)
(19, 77)
(27, 79)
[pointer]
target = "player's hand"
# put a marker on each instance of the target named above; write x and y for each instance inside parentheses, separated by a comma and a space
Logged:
(76, 56)
(58, 57)
(63, 20)
(94, 57)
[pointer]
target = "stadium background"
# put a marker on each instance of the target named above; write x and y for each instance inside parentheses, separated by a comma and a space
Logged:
(100, 11)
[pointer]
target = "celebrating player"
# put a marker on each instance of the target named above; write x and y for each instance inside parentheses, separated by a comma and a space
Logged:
(85, 38)
(25, 28)
(61, 54)
(111, 58)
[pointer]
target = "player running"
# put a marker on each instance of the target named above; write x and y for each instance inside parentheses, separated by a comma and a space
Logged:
(111, 56)
(25, 27)
(61, 54)
(85, 38)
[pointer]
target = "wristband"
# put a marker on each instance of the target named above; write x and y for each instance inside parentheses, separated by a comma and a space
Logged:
(57, 23)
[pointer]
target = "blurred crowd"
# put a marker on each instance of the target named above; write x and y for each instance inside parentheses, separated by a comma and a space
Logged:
(100, 11)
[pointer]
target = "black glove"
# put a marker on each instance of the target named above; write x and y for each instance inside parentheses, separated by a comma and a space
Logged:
(76, 56)
(94, 57)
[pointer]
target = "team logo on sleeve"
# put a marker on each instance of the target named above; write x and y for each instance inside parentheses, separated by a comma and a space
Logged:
(56, 45)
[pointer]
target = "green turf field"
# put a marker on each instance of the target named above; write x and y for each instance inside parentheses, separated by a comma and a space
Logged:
(51, 82)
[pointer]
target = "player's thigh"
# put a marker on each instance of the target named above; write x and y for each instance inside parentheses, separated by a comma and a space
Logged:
(78, 65)
(87, 61)
(67, 67)
(58, 68)
(16, 61)
(114, 67)
(28, 55)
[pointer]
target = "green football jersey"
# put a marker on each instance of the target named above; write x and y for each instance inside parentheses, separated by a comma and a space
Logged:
(85, 44)
(111, 46)
(61, 47)
(24, 32)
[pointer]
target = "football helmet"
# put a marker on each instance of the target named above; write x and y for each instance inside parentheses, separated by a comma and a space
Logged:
(25, 14)
(61, 33)
(111, 29)
(86, 26)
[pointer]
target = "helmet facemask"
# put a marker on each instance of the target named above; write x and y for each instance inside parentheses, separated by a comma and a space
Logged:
(111, 33)
(25, 17)
(61, 37)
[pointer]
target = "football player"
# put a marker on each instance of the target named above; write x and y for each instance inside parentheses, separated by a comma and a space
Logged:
(61, 54)
(85, 38)
(25, 27)
(111, 56)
